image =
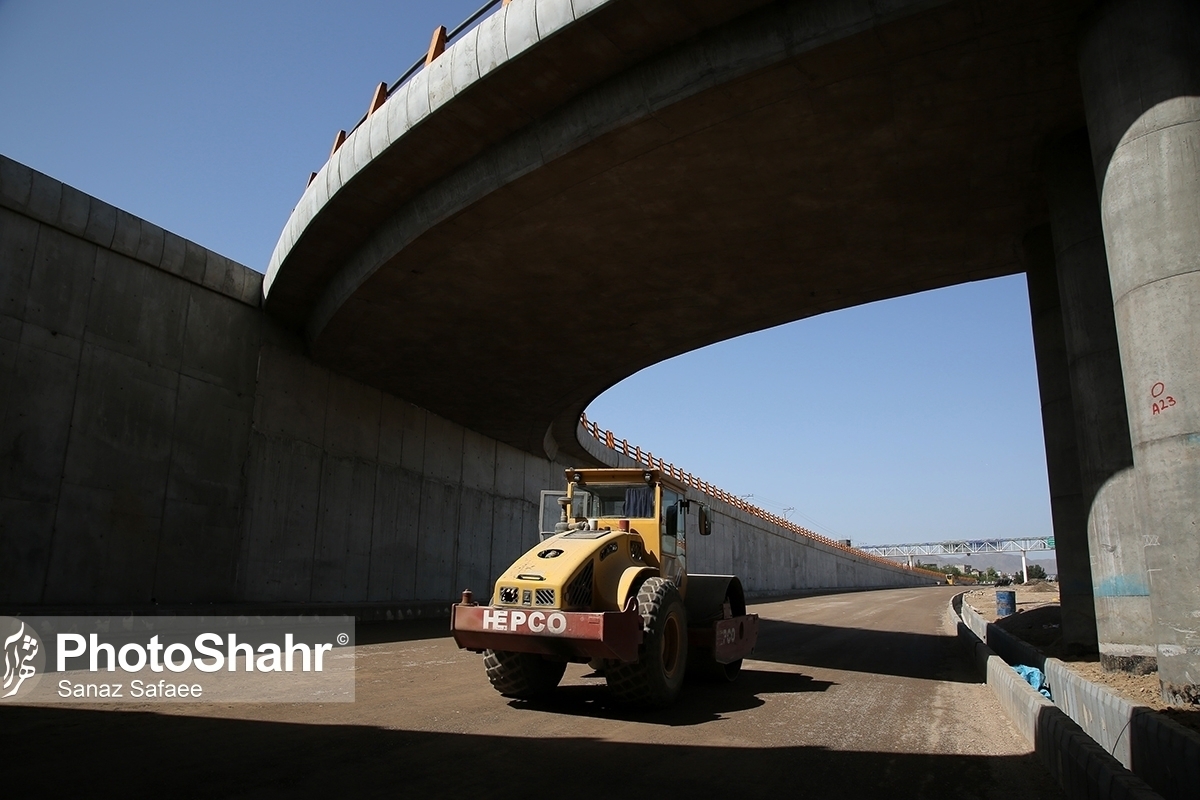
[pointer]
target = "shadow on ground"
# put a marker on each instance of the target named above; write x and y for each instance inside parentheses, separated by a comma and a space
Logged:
(75, 752)
(906, 655)
(699, 702)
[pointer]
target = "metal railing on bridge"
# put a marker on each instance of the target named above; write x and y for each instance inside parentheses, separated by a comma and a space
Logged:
(437, 46)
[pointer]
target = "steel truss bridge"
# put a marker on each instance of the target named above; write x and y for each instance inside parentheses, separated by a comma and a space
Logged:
(963, 547)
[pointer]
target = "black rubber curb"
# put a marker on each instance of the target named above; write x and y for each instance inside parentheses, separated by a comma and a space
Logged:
(1082, 767)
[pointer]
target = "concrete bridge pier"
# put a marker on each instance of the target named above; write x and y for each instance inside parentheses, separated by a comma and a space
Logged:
(1140, 70)
(1114, 543)
(1068, 512)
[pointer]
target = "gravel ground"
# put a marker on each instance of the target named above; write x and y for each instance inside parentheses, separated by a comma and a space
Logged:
(1037, 622)
(847, 695)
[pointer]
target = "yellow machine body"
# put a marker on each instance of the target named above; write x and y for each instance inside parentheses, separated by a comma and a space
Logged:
(595, 563)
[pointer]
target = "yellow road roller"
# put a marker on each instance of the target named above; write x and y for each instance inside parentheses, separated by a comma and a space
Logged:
(608, 585)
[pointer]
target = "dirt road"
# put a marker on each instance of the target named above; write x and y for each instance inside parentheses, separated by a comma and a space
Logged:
(851, 695)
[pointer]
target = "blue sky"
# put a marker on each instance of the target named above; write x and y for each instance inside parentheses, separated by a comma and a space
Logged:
(914, 419)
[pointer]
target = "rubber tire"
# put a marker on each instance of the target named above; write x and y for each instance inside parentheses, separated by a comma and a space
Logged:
(525, 676)
(655, 679)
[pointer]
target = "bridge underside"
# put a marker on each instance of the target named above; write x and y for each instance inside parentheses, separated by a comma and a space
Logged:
(897, 156)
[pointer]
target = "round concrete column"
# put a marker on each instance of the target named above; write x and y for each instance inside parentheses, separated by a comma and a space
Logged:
(1140, 67)
(1125, 627)
(1067, 510)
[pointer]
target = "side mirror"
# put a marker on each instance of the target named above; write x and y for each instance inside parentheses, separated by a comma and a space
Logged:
(704, 518)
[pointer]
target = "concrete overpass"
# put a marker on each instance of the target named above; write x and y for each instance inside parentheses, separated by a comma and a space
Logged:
(665, 177)
(620, 182)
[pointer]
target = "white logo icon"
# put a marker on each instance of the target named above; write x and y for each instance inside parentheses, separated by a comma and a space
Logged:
(20, 649)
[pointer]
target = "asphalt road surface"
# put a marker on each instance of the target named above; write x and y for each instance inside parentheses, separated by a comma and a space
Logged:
(849, 695)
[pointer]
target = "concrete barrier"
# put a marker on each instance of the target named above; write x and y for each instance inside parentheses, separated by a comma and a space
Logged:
(1003, 643)
(1095, 742)
(1163, 753)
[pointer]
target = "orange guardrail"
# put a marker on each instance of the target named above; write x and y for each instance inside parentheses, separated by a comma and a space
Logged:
(609, 440)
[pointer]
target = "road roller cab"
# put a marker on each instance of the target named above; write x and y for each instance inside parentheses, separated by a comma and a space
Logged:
(608, 584)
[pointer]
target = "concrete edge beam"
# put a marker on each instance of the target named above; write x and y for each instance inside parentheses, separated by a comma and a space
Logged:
(51, 202)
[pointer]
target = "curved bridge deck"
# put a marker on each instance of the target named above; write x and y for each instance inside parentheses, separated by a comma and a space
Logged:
(555, 203)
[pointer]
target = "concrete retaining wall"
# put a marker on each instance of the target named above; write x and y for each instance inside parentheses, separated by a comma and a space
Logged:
(164, 442)
(127, 367)
(771, 560)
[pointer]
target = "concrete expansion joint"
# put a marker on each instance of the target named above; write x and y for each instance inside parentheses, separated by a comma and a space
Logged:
(1125, 141)
(1187, 438)
(1154, 282)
